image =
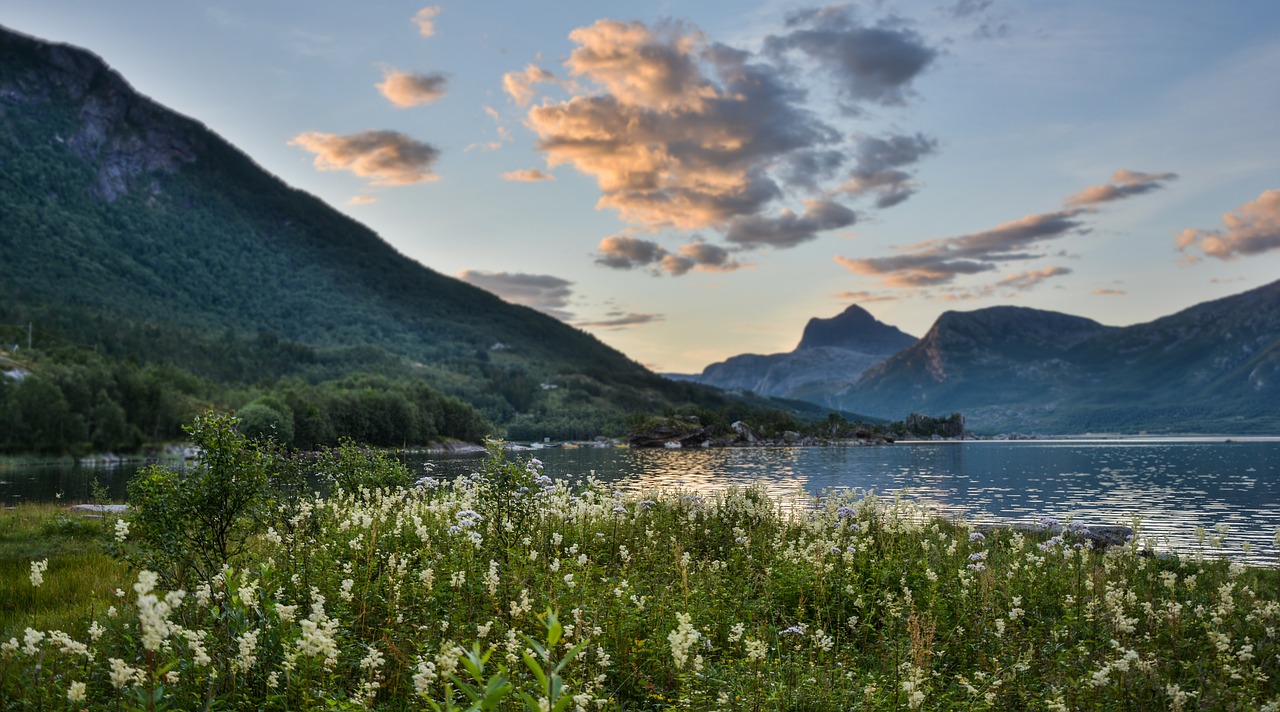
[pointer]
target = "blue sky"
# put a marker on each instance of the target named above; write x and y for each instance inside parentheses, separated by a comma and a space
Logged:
(694, 180)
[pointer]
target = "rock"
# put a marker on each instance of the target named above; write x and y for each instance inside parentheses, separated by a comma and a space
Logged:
(659, 435)
(1101, 535)
(745, 433)
(101, 508)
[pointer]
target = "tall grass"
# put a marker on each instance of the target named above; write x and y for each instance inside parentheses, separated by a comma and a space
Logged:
(372, 598)
(80, 571)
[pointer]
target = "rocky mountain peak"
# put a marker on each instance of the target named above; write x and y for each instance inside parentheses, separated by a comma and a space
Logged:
(126, 134)
(854, 329)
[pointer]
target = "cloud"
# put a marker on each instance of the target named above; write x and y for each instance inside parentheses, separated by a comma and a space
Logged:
(879, 166)
(806, 169)
(531, 175)
(864, 297)
(405, 89)
(1009, 286)
(1252, 229)
(701, 257)
(1123, 184)
(1025, 281)
(386, 157)
(362, 199)
(519, 85)
(543, 292)
(789, 229)
(679, 134)
(626, 252)
(504, 134)
(913, 270)
(871, 63)
(425, 20)
(968, 8)
(1109, 292)
(682, 133)
(621, 321)
(935, 262)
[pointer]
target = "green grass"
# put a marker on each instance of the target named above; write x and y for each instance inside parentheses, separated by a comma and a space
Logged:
(81, 576)
(671, 600)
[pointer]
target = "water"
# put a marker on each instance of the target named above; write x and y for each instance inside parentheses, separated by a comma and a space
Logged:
(1174, 486)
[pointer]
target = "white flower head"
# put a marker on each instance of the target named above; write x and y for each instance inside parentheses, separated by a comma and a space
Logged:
(37, 572)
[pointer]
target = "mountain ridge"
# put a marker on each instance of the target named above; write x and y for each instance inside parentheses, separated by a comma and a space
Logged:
(838, 348)
(1213, 366)
(139, 233)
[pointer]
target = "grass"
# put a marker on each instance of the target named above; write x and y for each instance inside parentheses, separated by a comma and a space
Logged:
(80, 578)
(373, 597)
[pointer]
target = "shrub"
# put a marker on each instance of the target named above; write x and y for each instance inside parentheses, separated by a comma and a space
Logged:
(194, 522)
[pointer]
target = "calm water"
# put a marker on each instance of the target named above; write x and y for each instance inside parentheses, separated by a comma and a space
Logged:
(1173, 485)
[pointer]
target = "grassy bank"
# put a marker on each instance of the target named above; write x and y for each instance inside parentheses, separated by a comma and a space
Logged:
(374, 596)
(80, 574)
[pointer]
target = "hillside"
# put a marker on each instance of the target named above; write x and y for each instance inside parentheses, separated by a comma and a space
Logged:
(140, 235)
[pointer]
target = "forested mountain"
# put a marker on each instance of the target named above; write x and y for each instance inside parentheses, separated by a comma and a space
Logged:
(136, 235)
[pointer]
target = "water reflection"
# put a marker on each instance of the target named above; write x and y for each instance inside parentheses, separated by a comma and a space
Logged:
(1173, 486)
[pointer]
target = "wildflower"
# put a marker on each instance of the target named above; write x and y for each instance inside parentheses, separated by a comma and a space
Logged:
(9, 646)
(75, 692)
(246, 644)
(756, 650)
(491, 579)
(977, 536)
(122, 530)
(373, 660)
(286, 613)
(568, 580)
(37, 572)
(121, 674)
(797, 629)
(682, 639)
(31, 641)
(735, 633)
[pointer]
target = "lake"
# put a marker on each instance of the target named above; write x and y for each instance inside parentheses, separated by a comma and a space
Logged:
(1174, 486)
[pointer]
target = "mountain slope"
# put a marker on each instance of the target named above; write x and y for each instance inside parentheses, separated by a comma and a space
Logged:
(831, 351)
(1214, 367)
(137, 232)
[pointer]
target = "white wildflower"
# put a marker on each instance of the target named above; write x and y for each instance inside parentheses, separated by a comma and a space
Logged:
(682, 639)
(37, 572)
(75, 692)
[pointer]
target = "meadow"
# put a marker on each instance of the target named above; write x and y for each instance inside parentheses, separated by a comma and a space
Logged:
(236, 586)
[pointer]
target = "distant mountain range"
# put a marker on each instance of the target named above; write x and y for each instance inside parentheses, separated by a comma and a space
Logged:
(1212, 368)
(832, 353)
(140, 234)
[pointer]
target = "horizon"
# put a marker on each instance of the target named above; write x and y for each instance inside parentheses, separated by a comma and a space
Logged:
(614, 174)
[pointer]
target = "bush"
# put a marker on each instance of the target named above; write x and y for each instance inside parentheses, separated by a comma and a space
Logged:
(191, 524)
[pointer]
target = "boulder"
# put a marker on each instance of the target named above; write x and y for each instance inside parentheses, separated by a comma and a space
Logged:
(745, 433)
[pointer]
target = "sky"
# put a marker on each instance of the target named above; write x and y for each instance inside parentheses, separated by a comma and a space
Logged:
(689, 181)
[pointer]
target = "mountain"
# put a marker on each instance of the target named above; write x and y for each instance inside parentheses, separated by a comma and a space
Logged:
(139, 234)
(1214, 367)
(831, 351)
